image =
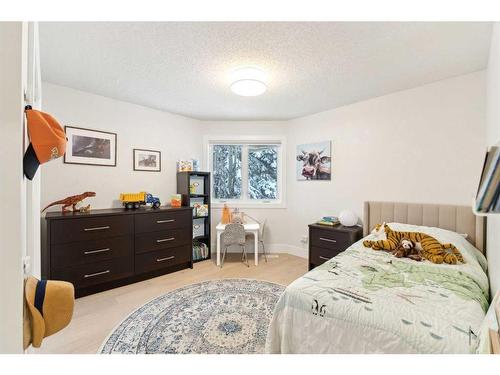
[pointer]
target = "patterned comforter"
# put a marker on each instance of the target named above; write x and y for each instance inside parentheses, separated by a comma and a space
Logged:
(367, 301)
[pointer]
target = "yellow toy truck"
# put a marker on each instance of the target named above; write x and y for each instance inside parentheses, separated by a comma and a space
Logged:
(136, 200)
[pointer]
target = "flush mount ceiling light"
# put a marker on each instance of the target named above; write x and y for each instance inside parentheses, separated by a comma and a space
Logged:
(248, 81)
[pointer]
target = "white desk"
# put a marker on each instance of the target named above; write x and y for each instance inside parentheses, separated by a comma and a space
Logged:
(250, 228)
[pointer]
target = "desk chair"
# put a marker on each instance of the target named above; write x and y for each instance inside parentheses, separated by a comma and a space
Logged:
(234, 234)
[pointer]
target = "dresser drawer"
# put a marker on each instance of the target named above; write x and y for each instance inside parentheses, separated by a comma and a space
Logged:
(162, 259)
(320, 255)
(334, 240)
(160, 221)
(96, 273)
(162, 240)
(75, 253)
(92, 228)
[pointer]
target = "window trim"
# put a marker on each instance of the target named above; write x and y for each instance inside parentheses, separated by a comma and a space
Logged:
(249, 140)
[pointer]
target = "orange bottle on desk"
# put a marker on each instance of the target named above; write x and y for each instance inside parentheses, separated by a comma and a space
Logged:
(226, 215)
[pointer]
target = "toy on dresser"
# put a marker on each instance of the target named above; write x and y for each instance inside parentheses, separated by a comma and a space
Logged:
(136, 200)
(73, 201)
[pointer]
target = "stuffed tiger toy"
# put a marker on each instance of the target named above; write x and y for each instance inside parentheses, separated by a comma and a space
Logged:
(432, 249)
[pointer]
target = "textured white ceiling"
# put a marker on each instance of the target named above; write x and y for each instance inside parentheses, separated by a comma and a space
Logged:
(185, 67)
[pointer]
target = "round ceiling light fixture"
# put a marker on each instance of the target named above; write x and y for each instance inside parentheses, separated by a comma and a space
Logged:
(248, 81)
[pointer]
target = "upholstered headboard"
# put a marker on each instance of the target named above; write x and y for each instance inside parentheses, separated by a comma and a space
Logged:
(459, 219)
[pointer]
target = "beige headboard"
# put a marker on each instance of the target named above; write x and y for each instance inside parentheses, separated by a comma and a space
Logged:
(459, 219)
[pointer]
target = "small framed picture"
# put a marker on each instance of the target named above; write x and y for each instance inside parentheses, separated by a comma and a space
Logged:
(90, 147)
(147, 160)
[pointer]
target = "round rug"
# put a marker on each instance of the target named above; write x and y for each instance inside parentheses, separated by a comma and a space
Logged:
(219, 316)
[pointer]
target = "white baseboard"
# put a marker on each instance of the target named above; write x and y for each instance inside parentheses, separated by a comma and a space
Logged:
(271, 248)
(288, 249)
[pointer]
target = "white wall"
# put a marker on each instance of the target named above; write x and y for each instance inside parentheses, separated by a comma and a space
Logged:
(420, 145)
(12, 187)
(493, 137)
(275, 216)
(136, 127)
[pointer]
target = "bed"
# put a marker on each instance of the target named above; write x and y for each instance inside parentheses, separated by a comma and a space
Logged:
(366, 301)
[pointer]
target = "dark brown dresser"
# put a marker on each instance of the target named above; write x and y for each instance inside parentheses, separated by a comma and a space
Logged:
(103, 249)
(325, 242)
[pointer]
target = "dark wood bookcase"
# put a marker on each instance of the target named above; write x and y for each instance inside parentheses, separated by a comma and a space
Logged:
(202, 196)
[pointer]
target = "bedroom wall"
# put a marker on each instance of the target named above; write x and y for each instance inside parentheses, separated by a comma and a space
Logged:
(136, 127)
(493, 137)
(437, 130)
(13, 73)
(275, 235)
(420, 145)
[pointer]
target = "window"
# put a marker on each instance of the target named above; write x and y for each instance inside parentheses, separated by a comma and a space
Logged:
(246, 173)
(226, 171)
(262, 172)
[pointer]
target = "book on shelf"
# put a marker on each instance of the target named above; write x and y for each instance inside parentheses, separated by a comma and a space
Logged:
(200, 251)
(487, 199)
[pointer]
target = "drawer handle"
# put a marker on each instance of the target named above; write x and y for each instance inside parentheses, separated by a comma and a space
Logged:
(97, 251)
(165, 221)
(97, 274)
(96, 228)
(165, 239)
(164, 259)
(327, 239)
(324, 258)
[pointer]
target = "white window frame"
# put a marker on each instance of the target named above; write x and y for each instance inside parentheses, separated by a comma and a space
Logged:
(249, 140)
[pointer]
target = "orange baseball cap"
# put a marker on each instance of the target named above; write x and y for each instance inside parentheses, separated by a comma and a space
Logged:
(48, 140)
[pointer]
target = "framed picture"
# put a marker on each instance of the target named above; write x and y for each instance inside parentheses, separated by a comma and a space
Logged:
(90, 147)
(314, 161)
(147, 160)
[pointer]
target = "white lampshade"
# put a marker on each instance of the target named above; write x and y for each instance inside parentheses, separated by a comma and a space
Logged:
(248, 81)
(248, 87)
(348, 218)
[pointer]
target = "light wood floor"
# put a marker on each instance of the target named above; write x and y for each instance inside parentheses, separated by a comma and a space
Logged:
(95, 316)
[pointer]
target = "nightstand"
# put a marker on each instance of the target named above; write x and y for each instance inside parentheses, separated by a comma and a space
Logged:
(326, 242)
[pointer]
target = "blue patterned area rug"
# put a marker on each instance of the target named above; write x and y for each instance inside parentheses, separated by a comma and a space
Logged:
(220, 316)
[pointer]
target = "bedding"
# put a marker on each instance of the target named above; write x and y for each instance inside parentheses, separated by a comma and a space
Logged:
(366, 301)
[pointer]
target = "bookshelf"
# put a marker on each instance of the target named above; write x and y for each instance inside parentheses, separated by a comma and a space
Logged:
(487, 200)
(199, 194)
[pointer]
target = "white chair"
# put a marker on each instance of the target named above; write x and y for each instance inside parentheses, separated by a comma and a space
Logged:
(262, 226)
(234, 234)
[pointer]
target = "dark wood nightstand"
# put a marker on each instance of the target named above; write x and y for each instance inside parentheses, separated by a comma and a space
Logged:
(326, 242)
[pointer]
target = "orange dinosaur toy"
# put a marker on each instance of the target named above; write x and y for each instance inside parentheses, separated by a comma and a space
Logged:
(72, 201)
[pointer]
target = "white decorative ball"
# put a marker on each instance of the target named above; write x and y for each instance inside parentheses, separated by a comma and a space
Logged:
(348, 218)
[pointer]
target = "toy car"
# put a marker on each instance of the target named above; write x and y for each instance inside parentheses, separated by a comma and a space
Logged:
(136, 200)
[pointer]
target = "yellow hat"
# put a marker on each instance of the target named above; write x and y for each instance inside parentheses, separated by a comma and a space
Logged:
(50, 308)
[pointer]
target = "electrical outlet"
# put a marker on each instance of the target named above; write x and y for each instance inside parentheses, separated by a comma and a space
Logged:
(26, 264)
(304, 239)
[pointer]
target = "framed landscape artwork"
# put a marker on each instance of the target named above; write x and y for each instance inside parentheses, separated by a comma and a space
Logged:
(314, 161)
(147, 160)
(90, 147)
